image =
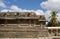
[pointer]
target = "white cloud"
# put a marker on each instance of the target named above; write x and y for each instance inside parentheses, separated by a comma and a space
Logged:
(17, 9)
(39, 12)
(14, 8)
(50, 5)
(2, 4)
(47, 15)
(53, 5)
(6, 10)
(58, 16)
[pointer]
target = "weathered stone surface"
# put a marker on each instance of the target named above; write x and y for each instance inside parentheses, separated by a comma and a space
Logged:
(18, 34)
(22, 25)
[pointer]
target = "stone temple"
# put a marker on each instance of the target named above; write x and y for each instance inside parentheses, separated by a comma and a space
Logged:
(22, 25)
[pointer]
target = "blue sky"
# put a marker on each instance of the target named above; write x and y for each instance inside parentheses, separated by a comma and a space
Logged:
(40, 7)
(24, 4)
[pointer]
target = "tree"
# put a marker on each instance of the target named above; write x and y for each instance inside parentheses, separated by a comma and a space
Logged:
(54, 20)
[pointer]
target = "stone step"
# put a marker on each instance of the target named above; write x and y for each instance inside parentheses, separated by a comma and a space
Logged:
(43, 32)
(18, 34)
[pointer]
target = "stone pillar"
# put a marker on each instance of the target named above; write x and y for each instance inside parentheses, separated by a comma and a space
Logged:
(34, 23)
(42, 31)
(30, 23)
(56, 31)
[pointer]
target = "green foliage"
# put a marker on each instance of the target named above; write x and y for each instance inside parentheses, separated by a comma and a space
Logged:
(52, 25)
(53, 21)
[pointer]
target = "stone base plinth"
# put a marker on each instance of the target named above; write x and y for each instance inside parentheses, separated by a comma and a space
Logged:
(44, 38)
